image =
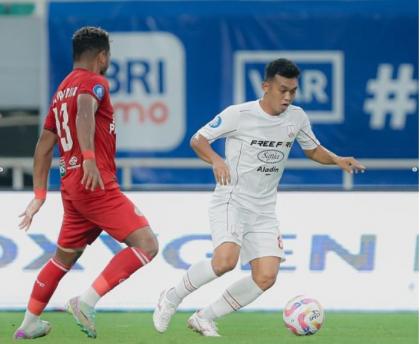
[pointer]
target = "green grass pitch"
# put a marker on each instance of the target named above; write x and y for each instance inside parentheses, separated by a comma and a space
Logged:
(242, 327)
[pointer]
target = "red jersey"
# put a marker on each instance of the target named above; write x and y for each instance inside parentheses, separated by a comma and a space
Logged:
(61, 119)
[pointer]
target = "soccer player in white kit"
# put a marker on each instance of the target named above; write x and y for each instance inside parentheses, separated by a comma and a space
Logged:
(259, 136)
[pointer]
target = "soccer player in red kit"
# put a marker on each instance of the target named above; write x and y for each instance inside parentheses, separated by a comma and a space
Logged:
(81, 121)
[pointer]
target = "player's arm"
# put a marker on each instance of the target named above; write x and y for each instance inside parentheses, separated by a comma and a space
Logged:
(42, 164)
(204, 151)
(85, 126)
(223, 125)
(324, 156)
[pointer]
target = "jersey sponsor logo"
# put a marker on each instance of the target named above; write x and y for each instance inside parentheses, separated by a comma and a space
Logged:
(265, 169)
(266, 143)
(73, 162)
(62, 167)
(215, 122)
(270, 156)
(99, 91)
(112, 125)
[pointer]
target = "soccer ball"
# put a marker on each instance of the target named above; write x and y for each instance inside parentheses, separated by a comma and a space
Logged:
(303, 315)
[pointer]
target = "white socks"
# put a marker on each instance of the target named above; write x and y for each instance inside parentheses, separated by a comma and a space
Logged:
(196, 276)
(90, 297)
(29, 320)
(238, 295)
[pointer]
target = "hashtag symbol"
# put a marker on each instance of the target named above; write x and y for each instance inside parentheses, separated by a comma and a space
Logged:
(391, 96)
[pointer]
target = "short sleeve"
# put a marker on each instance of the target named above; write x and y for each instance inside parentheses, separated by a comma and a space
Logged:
(224, 124)
(305, 137)
(49, 122)
(96, 86)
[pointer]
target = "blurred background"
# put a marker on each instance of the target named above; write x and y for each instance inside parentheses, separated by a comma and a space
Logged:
(175, 65)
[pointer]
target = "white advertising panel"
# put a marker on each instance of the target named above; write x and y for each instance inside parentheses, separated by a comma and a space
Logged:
(351, 251)
(147, 83)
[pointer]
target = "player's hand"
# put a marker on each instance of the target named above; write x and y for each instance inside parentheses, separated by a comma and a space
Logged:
(350, 165)
(32, 208)
(91, 176)
(221, 172)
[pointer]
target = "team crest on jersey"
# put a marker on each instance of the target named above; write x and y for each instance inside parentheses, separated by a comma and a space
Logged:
(99, 91)
(215, 122)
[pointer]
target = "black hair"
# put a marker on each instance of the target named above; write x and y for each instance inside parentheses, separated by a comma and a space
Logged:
(282, 67)
(89, 39)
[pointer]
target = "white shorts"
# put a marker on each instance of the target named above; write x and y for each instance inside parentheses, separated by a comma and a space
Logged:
(257, 234)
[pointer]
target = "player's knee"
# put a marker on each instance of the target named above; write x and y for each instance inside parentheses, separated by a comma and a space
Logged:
(67, 257)
(150, 246)
(145, 240)
(153, 249)
(265, 280)
(223, 265)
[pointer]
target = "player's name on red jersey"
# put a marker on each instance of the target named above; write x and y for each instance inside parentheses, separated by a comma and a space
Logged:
(62, 95)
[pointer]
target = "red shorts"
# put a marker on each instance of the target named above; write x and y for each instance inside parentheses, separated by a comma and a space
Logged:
(85, 219)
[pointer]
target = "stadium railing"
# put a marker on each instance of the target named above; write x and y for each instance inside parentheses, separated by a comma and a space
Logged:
(20, 166)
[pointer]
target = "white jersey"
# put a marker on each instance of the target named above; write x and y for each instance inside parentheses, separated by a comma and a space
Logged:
(257, 147)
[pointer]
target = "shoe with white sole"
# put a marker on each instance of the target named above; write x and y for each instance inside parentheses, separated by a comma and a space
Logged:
(203, 326)
(163, 312)
(84, 316)
(41, 329)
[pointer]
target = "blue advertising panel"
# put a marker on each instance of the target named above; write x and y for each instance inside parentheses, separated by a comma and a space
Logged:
(175, 65)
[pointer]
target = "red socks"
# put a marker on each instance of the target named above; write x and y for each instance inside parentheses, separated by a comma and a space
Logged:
(121, 266)
(45, 285)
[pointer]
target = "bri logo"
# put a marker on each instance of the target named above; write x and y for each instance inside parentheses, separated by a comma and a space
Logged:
(148, 90)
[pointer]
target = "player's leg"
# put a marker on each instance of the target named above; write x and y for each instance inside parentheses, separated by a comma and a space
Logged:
(236, 296)
(76, 232)
(44, 287)
(245, 290)
(225, 258)
(226, 240)
(264, 251)
(118, 216)
(142, 248)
